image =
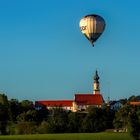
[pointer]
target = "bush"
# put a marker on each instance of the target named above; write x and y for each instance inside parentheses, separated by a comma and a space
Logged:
(42, 129)
(25, 128)
(11, 128)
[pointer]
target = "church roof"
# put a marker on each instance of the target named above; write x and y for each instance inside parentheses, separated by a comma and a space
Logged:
(89, 99)
(55, 103)
(80, 99)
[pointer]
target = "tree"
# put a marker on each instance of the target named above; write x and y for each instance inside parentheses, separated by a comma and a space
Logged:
(128, 118)
(42, 114)
(121, 117)
(109, 115)
(134, 122)
(123, 101)
(134, 98)
(74, 122)
(3, 99)
(26, 105)
(29, 116)
(4, 114)
(57, 122)
(14, 109)
(94, 120)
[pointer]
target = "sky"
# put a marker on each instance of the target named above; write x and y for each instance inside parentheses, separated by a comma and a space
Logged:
(44, 55)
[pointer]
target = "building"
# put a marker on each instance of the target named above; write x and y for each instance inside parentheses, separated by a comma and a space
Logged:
(135, 103)
(81, 101)
(115, 105)
(49, 104)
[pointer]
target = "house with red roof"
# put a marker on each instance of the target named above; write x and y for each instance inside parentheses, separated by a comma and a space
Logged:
(81, 101)
(65, 104)
(136, 103)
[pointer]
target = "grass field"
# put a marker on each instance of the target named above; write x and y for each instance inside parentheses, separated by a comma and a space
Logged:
(84, 136)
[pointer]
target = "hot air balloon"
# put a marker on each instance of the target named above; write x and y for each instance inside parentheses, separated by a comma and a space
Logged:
(92, 26)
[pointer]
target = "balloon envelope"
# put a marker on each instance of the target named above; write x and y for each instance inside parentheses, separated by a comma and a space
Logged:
(92, 26)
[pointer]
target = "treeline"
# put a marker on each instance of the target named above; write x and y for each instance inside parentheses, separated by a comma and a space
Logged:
(23, 118)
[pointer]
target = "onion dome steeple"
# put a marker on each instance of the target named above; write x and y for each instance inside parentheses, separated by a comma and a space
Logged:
(96, 77)
(96, 84)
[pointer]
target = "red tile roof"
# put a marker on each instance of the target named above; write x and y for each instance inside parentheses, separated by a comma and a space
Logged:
(89, 99)
(56, 103)
(134, 103)
(80, 99)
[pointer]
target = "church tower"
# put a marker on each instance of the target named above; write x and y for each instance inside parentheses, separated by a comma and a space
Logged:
(96, 84)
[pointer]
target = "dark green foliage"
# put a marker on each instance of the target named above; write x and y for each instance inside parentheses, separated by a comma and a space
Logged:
(10, 129)
(26, 105)
(134, 98)
(74, 122)
(22, 118)
(25, 128)
(43, 128)
(57, 122)
(42, 114)
(4, 115)
(94, 120)
(134, 122)
(121, 117)
(14, 109)
(128, 117)
(123, 101)
(29, 116)
(109, 117)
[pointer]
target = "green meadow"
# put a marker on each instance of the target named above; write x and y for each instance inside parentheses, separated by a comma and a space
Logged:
(79, 136)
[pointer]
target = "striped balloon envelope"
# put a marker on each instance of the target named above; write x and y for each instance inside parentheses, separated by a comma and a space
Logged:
(92, 26)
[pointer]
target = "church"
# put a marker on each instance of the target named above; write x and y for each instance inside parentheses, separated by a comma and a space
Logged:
(81, 101)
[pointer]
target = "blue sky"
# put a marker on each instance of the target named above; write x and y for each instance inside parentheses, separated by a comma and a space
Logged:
(43, 54)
